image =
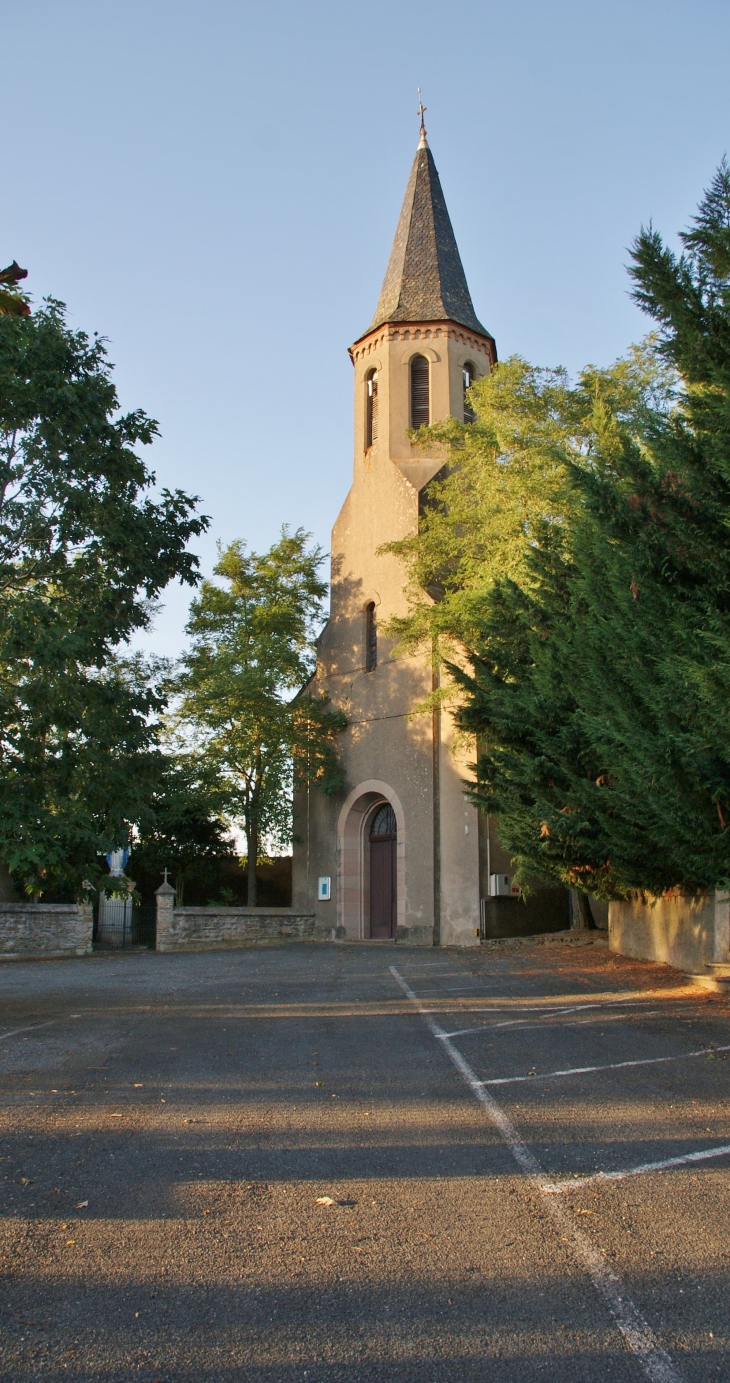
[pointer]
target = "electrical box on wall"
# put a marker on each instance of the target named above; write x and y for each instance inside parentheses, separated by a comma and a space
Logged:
(324, 888)
(501, 886)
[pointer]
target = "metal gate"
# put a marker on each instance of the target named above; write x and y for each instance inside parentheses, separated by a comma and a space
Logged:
(121, 924)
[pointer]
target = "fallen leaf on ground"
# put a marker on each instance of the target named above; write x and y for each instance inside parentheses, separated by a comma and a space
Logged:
(82, 1205)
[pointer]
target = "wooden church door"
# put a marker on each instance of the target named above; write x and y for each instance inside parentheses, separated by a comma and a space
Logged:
(383, 891)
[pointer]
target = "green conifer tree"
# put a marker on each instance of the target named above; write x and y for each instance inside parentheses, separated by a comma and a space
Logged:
(572, 566)
(600, 682)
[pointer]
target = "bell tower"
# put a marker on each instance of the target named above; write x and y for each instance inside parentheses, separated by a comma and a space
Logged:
(415, 879)
(425, 344)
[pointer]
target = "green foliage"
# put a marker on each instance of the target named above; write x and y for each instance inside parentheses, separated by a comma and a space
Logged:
(13, 302)
(84, 551)
(503, 471)
(182, 828)
(77, 759)
(505, 476)
(600, 654)
(252, 647)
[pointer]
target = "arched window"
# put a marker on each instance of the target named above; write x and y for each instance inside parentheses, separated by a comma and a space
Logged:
(420, 392)
(384, 823)
(371, 408)
(371, 637)
(469, 374)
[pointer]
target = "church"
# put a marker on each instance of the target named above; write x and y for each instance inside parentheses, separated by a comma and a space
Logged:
(401, 854)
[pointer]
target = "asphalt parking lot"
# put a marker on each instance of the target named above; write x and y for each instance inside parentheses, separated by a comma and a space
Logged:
(340, 1163)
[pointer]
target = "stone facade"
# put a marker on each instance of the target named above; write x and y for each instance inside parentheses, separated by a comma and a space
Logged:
(222, 929)
(45, 930)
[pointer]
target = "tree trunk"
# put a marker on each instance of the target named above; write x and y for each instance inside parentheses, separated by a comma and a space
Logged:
(8, 892)
(252, 845)
(581, 917)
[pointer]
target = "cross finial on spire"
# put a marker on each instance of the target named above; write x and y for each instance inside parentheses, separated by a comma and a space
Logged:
(423, 143)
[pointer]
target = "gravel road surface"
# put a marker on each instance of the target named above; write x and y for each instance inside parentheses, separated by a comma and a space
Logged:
(340, 1163)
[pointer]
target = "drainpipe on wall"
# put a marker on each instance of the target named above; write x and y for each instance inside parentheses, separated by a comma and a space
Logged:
(436, 742)
(309, 895)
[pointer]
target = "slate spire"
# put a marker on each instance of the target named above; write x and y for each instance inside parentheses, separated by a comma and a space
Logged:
(425, 280)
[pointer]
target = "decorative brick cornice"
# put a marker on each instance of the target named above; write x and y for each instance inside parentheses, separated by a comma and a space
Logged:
(422, 331)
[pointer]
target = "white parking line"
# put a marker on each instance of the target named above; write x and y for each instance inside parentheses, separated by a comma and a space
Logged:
(574, 1008)
(637, 1332)
(462, 1032)
(522, 1022)
(559, 1187)
(610, 1066)
(14, 1031)
(540, 1023)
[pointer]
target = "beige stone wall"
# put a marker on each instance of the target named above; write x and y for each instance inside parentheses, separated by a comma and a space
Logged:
(212, 929)
(686, 931)
(44, 930)
(459, 843)
(388, 752)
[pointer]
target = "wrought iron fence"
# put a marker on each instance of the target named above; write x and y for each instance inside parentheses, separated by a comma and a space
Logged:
(120, 924)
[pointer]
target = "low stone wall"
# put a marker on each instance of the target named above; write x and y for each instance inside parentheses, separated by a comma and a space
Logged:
(29, 931)
(212, 929)
(686, 931)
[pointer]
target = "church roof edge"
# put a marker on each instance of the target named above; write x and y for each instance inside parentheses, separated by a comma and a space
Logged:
(425, 279)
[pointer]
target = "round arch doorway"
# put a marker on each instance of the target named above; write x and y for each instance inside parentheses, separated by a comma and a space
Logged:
(356, 818)
(383, 842)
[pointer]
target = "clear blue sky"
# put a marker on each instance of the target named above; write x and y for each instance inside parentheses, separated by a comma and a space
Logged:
(215, 185)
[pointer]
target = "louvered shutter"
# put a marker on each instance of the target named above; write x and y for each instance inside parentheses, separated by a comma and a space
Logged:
(469, 375)
(371, 425)
(420, 392)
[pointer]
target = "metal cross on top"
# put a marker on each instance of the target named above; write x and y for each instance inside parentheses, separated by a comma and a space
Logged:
(422, 111)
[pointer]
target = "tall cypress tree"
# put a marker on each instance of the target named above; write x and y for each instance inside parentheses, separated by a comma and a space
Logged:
(600, 682)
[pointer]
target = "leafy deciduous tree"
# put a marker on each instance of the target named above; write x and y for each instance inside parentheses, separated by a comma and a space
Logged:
(183, 827)
(252, 647)
(84, 552)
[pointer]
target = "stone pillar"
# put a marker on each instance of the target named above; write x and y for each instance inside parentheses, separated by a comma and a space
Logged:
(722, 926)
(165, 896)
(86, 928)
